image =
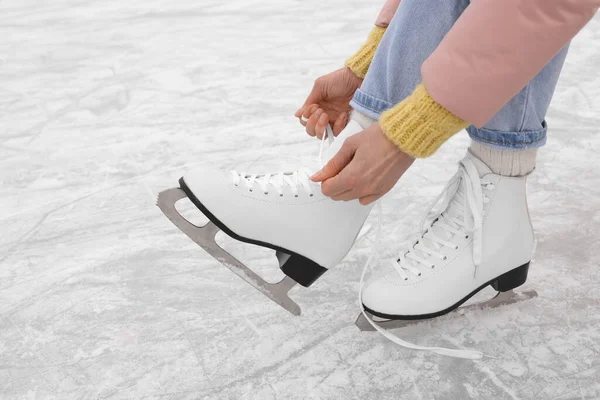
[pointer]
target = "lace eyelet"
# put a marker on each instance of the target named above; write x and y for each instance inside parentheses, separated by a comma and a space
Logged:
(420, 274)
(467, 236)
(280, 195)
(250, 190)
(455, 247)
(405, 279)
(311, 195)
(295, 195)
(445, 258)
(236, 185)
(432, 266)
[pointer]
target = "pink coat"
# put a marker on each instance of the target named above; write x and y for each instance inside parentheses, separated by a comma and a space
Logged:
(495, 48)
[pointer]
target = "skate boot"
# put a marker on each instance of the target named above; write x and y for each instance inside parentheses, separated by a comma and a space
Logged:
(482, 236)
(285, 212)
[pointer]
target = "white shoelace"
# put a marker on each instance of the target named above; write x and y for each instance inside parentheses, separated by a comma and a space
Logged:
(293, 180)
(438, 228)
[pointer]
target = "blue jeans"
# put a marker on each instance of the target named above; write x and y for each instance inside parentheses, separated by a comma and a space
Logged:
(414, 33)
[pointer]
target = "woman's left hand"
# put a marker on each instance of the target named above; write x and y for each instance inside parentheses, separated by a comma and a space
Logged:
(367, 166)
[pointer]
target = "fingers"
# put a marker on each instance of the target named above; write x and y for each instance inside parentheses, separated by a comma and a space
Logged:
(370, 199)
(336, 164)
(311, 125)
(340, 123)
(339, 184)
(309, 110)
(321, 125)
(345, 196)
(306, 113)
(354, 194)
(303, 120)
(357, 194)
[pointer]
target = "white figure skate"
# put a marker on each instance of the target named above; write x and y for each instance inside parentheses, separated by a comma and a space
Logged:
(482, 236)
(285, 212)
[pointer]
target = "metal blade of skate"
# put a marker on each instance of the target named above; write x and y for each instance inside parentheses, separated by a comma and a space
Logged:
(501, 299)
(205, 237)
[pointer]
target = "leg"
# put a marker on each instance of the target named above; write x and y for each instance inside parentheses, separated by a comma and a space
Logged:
(520, 123)
(414, 33)
(508, 143)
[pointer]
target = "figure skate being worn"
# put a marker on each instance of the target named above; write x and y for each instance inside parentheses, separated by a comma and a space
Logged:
(482, 236)
(285, 212)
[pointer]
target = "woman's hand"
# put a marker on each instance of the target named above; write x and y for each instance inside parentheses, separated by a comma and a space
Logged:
(329, 102)
(367, 166)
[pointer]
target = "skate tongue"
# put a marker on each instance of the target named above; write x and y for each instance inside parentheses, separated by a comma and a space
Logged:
(482, 169)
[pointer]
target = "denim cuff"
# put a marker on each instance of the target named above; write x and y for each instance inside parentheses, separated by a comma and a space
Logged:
(369, 105)
(512, 140)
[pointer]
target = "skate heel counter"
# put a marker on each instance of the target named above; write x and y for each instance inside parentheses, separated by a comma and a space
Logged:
(302, 270)
(532, 239)
(512, 279)
(520, 235)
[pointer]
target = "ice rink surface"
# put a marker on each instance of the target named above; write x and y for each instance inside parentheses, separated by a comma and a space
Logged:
(105, 103)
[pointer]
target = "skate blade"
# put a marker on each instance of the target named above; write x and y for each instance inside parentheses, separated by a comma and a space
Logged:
(205, 238)
(501, 299)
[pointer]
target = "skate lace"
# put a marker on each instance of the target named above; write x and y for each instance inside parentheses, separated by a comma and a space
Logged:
(462, 202)
(294, 180)
(465, 189)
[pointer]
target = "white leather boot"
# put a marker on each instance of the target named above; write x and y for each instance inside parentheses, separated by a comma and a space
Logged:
(483, 236)
(283, 211)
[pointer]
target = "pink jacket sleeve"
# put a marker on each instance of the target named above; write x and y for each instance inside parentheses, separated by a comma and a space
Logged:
(495, 48)
(387, 13)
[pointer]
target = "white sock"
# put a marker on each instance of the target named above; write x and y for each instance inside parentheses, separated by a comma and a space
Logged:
(363, 120)
(507, 162)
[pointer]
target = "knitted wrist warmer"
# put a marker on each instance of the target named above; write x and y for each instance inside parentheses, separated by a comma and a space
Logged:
(418, 125)
(359, 62)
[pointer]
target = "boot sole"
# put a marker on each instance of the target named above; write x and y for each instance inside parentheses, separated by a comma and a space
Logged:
(503, 283)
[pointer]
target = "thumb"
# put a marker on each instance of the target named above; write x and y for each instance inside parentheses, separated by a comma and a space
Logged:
(337, 163)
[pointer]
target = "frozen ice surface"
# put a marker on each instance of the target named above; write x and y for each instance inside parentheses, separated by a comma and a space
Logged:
(105, 103)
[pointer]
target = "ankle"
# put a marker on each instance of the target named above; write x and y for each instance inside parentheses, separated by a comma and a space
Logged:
(505, 162)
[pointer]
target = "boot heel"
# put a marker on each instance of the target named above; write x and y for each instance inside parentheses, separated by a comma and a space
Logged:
(302, 270)
(511, 279)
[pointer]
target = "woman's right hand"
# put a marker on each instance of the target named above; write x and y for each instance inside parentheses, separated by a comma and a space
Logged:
(329, 102)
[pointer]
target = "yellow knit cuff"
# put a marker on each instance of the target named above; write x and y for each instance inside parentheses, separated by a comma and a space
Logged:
(418, 125)
(359, 62)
